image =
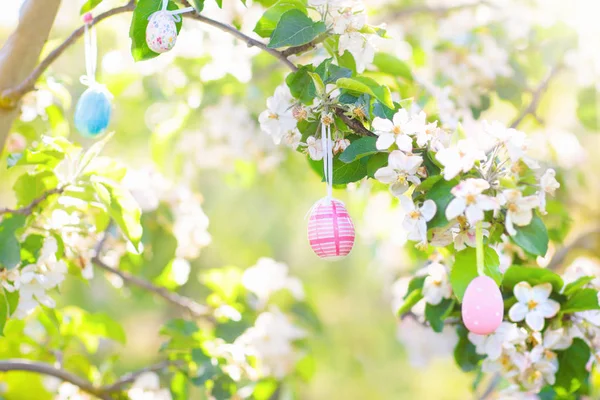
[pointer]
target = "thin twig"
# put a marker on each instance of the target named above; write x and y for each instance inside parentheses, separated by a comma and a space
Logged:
(132, 376)
(582, 241)
(47, 369)
(494, 382)
(29, 208)
(11, 96)
(186, 304)
(437, 11)
(536, 98)
(102, 392)
(352, 123)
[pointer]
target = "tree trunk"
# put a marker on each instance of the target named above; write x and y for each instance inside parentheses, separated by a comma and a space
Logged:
(20, 54)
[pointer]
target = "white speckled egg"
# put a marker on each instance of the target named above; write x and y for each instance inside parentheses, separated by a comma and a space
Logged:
(161, 32)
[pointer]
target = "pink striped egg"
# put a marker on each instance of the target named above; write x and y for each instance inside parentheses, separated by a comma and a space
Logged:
(482, 307)
(330, 230)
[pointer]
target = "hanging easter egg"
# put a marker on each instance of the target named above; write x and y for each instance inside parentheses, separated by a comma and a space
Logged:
(330, 229)
(92, 114)
(161, 32)
(482, 307)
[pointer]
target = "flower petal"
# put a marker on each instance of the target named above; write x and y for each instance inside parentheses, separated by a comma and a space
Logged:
(386, 175)
(541, 292)
(404, 143)
(474, 214)
(517, 312)
(455, 208)
(399, 188)
(384, 141)
(381, 125)
(549, 308)
(428, 210)
(535, 321)
(522, 292)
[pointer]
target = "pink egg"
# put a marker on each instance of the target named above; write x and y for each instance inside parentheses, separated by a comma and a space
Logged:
(330, 229)
(482, 307)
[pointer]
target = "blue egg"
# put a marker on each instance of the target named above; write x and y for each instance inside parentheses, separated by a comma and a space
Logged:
(92, 114)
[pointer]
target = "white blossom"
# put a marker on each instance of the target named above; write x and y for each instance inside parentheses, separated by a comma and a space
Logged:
(400, 172)
(348, 25)
(147, 387)
(459, 158)
(268, 277)
(504, 338)
(466, 235)
(548, 185)
(271, 341)
(415, 221)
(468, 199)
(533, 304)
(519, 209)
(278, 118)
(437, 284)
(396, 131)
(315, 148)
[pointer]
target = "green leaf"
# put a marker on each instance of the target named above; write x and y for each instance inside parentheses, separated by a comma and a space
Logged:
(573, 287)
(122, 208)
(464, 353)
(32, 185)
(464, 269)
(10, 248)
(179, 387)
(268, 22)
(4, 310)
(532, 238)
(581, 300)
(198, 5)
(139, 22)
(219, 3)
(330, 72)
(382, 111)
(295, 29)
(375, 162)
(572, 372)
(532, 275)
(413, 298)
(318, 82)
(436, 314)
(342, 173)
(92, 153)
(428, 183)
(391, 65)
(362, 147)
(587, 108)
(89, 5)
(363, 84)
(301, 84)
(441, 195)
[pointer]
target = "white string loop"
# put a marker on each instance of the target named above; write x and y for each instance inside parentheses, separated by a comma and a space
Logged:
(327, 148)
(174, 13)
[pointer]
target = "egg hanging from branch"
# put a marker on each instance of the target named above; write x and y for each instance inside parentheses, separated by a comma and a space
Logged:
(93, 111)
(482, 307)
(161, 32)
(330, 229)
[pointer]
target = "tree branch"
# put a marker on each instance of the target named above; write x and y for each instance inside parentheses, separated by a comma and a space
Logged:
(353, 124)
(186, 304)
(47, 369)
(536, 97)
(29, 209)
(437, 11)
(10, 97)
(583, 241)
(102, 392)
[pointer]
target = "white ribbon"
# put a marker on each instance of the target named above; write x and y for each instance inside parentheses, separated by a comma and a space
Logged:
(327, 148)
(174, 13)
(91, 60)
(91, 56)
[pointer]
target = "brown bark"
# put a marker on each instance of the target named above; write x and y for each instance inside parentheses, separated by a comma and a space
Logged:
(20, 54)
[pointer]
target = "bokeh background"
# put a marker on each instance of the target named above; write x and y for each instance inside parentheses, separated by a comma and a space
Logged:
(192, 115)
